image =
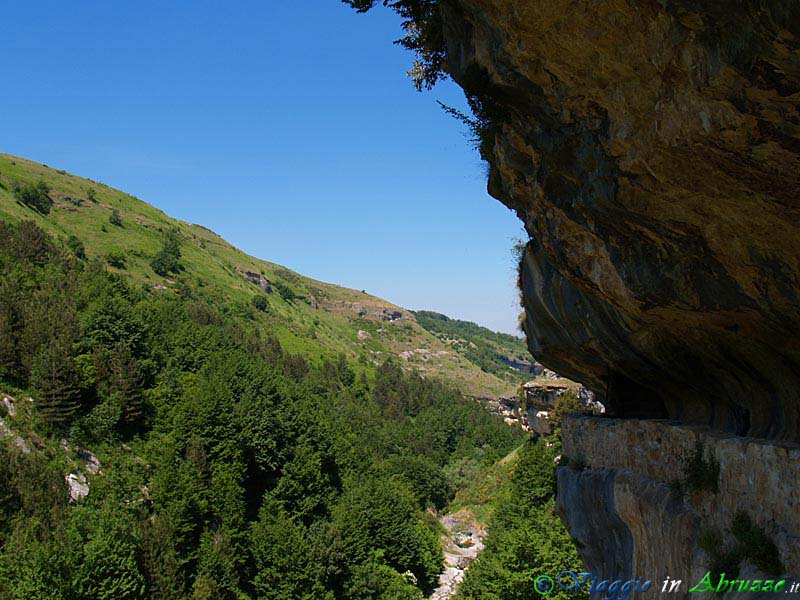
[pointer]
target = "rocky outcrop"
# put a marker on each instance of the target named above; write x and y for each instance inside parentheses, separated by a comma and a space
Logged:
(77, 486)
(8, 407)
(256, 279)
(82, 463)
(541, 396)
(652, 150)
(523, 366)
(624, 497)
(507, 408)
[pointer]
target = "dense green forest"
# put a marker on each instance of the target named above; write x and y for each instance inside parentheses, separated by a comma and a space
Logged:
(255, 440)
(231, 468)
(526, 538)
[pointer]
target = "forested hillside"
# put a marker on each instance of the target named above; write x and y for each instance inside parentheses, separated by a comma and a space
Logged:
(180, 420)
(134, 239)
(229, 467)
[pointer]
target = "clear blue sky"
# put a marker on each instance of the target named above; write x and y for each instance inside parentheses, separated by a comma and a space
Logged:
(288, 127)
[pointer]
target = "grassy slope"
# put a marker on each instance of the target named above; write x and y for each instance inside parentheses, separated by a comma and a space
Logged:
(484, 347)
(213, 264)
(482, 496)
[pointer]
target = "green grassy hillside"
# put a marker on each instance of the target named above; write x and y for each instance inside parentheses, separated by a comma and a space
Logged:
(499, 354)
(316, 319)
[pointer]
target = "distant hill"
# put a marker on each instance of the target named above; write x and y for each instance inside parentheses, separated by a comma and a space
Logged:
(310, 317)
(500, 354)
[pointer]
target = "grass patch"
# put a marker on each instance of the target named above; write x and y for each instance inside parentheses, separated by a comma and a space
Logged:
(751, 543)
(699, 474)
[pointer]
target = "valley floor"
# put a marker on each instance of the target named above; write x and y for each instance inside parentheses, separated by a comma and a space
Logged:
(461, 544)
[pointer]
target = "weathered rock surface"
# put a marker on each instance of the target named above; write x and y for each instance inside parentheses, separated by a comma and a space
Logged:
(623, 506)
(652, 150)
(77, 485)
(541, 396)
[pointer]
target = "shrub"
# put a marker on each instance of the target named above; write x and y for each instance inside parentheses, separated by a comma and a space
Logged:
(756, 545)
(751, 544)
(260, 302)
(116, 258)
(567, 403)
(115, 218)
(91, 195)
(284, 291)
(699, 473)
(74, 244)
(168, 259)
(722, 560)
(36, 196)
(31, 244)
(100, 424)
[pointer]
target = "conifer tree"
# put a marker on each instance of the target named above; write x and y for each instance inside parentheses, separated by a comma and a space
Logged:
(9, 363)
(55, 379)
(126, 381)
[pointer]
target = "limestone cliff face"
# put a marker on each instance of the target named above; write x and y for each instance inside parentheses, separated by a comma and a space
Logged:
(652, 150)
(620, 501)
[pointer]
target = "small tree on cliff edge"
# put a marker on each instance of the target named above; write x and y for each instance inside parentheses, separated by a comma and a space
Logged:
(424, 35)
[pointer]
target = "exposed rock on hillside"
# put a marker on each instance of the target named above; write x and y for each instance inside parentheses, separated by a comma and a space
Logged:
(257, 279)
(652, 150)
(540, 401)
(540, 398)
(81, 461)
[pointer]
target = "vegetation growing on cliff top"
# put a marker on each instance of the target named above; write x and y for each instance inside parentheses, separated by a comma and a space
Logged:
(422, 23)
(424, 27)
(699, 473)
